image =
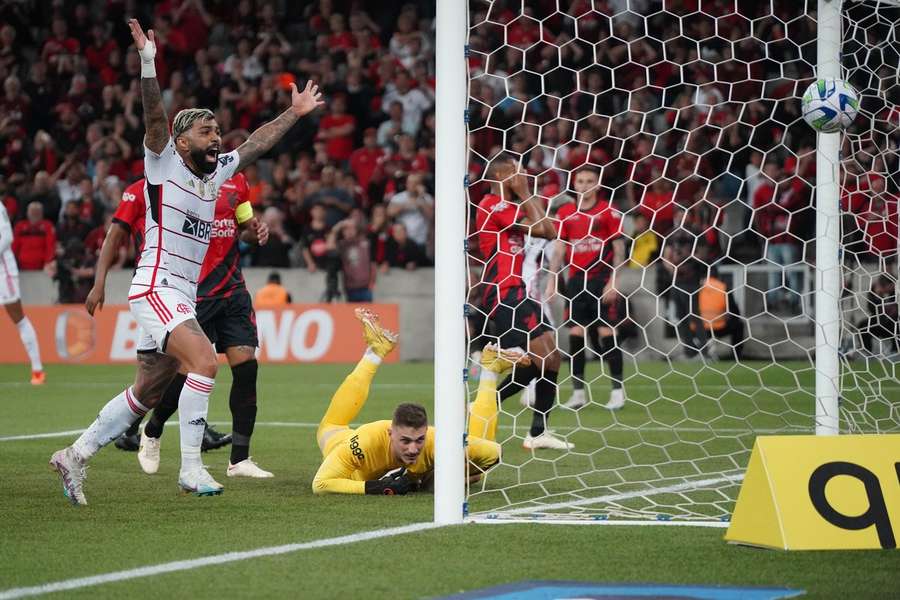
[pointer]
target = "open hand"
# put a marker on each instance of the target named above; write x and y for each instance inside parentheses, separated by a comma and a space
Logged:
(306, 101)
(146, 47)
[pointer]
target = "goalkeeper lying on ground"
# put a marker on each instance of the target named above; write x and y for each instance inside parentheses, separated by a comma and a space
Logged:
(397, 456)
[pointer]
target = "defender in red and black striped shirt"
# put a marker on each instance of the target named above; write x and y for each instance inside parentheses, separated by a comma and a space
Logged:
(591, 232)
(504, 217)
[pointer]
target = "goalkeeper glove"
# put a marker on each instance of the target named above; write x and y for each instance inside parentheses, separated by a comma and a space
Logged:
(392, 483)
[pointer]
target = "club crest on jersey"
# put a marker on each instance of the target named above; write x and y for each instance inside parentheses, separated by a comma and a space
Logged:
(183, 308)
(195, 227)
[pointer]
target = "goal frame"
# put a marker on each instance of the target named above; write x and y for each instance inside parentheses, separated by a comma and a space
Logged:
(450, 280)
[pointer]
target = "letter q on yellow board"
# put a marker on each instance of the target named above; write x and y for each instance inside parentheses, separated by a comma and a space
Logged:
(243, 212)
(820, 493)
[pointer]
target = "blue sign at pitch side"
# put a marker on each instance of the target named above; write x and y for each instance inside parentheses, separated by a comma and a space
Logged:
(572, 590)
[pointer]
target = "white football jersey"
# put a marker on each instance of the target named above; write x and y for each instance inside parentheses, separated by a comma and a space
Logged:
(180, 211)
(8, 265)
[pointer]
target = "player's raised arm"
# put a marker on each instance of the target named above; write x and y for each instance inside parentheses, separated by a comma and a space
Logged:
(262, 140)
(156, 124)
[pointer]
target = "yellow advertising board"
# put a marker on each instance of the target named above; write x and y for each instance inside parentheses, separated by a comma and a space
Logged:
(820, 493)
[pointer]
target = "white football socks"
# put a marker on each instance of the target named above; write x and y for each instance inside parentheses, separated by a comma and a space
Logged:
(193, 404)
(114, 418)
(30, 341)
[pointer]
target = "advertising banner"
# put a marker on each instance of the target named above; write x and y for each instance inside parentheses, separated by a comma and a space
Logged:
(296, 333)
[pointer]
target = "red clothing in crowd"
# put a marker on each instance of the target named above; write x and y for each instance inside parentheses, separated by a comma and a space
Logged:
(363, 162)
(34, 244)
(773, 209)
(338, 148)
(659, 208)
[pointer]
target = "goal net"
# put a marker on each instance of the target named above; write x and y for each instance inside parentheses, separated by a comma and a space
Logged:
(688, 114)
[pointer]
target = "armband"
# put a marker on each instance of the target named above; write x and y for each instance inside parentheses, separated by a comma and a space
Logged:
(243, 212)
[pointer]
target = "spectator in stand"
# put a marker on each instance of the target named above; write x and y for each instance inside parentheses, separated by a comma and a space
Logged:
(337, 129)
(34, 240)
(379, 232)
(44, 193)
(414, 101)
(359, 272)
(315, 240)
(658, 206)
(682, 276)
(273, 294)
(70, 188)
(276, 253)
(71, 226)
(401, 252)
(363, 161)
(880, 330)
(389, 131)
(337, 202)
(414, 209)
(94, 242)
(774, 203)
(875, 212)
(645, 244)
(74, 272)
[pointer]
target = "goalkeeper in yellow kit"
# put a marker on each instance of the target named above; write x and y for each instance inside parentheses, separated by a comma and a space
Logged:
(397, 456)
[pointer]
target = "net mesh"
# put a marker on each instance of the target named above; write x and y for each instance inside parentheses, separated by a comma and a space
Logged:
(690, 113)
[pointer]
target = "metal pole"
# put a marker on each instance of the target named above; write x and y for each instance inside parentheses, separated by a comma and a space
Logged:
(828, 220)
(450, 263)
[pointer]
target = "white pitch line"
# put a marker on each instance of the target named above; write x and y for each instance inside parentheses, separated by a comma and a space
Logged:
(681, 487)
(206, 561)
(635, 523)
(617, 428)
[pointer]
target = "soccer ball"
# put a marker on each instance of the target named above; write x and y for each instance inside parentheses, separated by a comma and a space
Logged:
(830, 105)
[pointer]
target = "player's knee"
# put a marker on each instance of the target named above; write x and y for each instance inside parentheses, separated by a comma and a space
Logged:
(205, 365)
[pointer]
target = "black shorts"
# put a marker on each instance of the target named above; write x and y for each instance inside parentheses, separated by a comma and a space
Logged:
(584, 307)
(229, 321)
(517, 319)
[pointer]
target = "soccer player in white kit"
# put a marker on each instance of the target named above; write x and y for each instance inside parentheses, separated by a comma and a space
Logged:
(11, 300)
(183, 172)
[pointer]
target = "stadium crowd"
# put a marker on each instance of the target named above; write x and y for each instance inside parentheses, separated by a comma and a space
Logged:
(350, 191)
(692, 117)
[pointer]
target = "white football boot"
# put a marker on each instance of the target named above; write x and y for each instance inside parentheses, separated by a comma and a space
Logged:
(72, 473)
(199, 483)
(148, 454)
(577, 400)
(546, 441)
(247, 468)
(616, 399)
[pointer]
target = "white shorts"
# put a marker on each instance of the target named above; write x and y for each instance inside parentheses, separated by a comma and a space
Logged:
(158, 313)
(9, 285)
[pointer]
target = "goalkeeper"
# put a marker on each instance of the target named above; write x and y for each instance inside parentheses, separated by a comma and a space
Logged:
(397, 456)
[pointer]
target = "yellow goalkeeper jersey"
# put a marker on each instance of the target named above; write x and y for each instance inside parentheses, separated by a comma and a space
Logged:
(354, 456)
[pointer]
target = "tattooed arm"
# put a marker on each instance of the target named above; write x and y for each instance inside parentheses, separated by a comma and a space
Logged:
(156, 123)
(262, 140)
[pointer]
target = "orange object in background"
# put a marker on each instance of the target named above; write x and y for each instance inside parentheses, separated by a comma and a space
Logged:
(296, 333)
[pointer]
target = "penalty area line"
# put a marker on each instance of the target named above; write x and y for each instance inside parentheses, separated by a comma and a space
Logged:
(206, 561)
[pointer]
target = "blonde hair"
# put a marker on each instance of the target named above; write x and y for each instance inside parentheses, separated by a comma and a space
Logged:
(185, 119)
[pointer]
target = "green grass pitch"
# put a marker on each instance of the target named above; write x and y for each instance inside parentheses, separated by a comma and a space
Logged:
(136, 520)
